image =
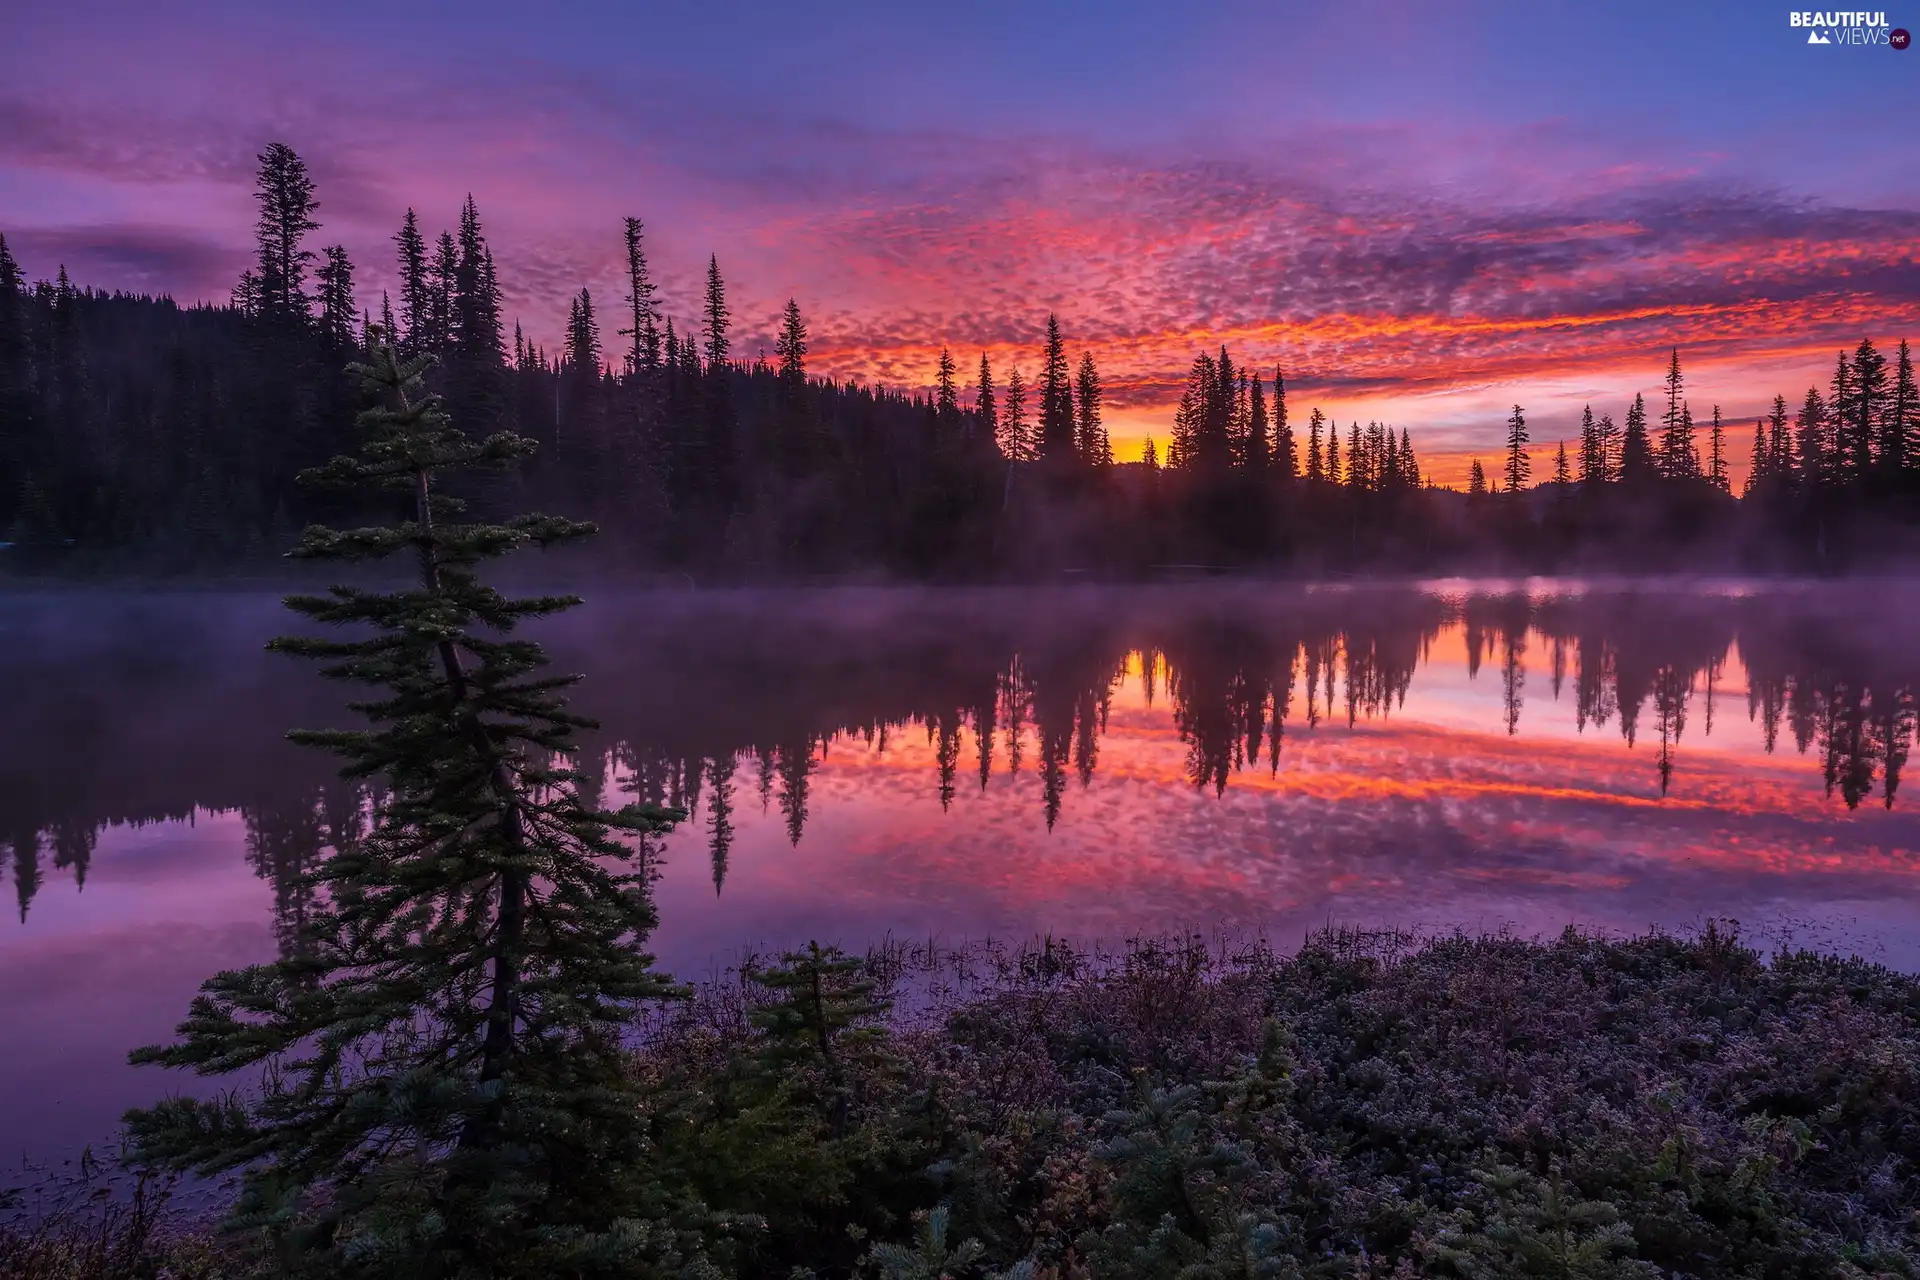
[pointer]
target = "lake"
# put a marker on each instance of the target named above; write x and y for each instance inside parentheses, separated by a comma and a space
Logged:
(958, 764)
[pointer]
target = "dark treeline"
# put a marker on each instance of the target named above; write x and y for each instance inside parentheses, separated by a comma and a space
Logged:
(136, 434)
(702, 710)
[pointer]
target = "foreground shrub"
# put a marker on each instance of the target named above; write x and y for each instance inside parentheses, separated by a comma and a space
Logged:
(1372, 1105)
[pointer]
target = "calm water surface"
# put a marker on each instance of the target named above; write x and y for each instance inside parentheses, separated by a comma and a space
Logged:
(962, 764)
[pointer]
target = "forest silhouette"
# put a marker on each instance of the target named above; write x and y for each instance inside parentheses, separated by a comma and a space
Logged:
(137, 435)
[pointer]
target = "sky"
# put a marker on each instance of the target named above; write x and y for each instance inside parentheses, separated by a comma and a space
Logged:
(1422, 214)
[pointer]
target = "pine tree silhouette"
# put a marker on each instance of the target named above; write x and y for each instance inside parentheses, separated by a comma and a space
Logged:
(446, 1085)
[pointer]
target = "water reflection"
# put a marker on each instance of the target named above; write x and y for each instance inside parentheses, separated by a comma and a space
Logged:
(152, 714)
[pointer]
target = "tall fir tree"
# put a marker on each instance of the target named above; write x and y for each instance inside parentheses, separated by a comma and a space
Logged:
(1519, 468)
(946, 391)
(717, 315)
(1841, 405)
(1636, 449)
(1056, 397)
(1090, 425)
(1593, 465)
(1898, 453)
(1286, 459)
(1717, 455)
(337, 311)
(1612, 448)
(1857, 434)
(583, 338)
(986, 412)
(1016, 433)
(1779, 440)
(1759, 463)
(443, 275)
(790, 348)
(1811, 433)
(475, 364)
(416, 307)
(1316, 470)
(284, 193)
(1256, 451)
(1676, 442)
(643, 305)
(444, 1088)
(717, 470)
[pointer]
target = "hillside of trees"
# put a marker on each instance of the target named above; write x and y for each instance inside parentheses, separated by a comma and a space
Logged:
(137, 435)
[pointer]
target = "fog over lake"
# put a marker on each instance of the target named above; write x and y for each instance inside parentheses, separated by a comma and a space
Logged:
(1098, 763)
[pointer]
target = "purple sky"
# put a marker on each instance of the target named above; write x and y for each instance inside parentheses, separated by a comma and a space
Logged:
(1423, 213)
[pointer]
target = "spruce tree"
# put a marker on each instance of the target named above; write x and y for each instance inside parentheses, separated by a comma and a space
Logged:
(1636, 450)
(1562, 473)
(1856, 433)
(1590, 463)
(1255, 451)
(444, 1090)
(717, 315)
(1016, 433)
(1676, 444)
(1842, 405)
(1519, 467)
(986, 413)
(946, 395)
(1899, 427)
(583, 338)
(1056, 398)
(717, 466)
(1814, 466)
(335, 279)
(1316, 472)
(643, 352)
(1760, 463)
(1090, 426)
(790, 348)
(1476, 480)
(475, 367)
(1779, 440)
(285, 197)
(415, 307)
(442, 282)
(1286, 458)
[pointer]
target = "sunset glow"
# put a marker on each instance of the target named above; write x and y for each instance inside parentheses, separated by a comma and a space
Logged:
(1426, 255)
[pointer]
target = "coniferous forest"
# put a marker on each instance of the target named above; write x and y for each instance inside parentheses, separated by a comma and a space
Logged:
(137, 435)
